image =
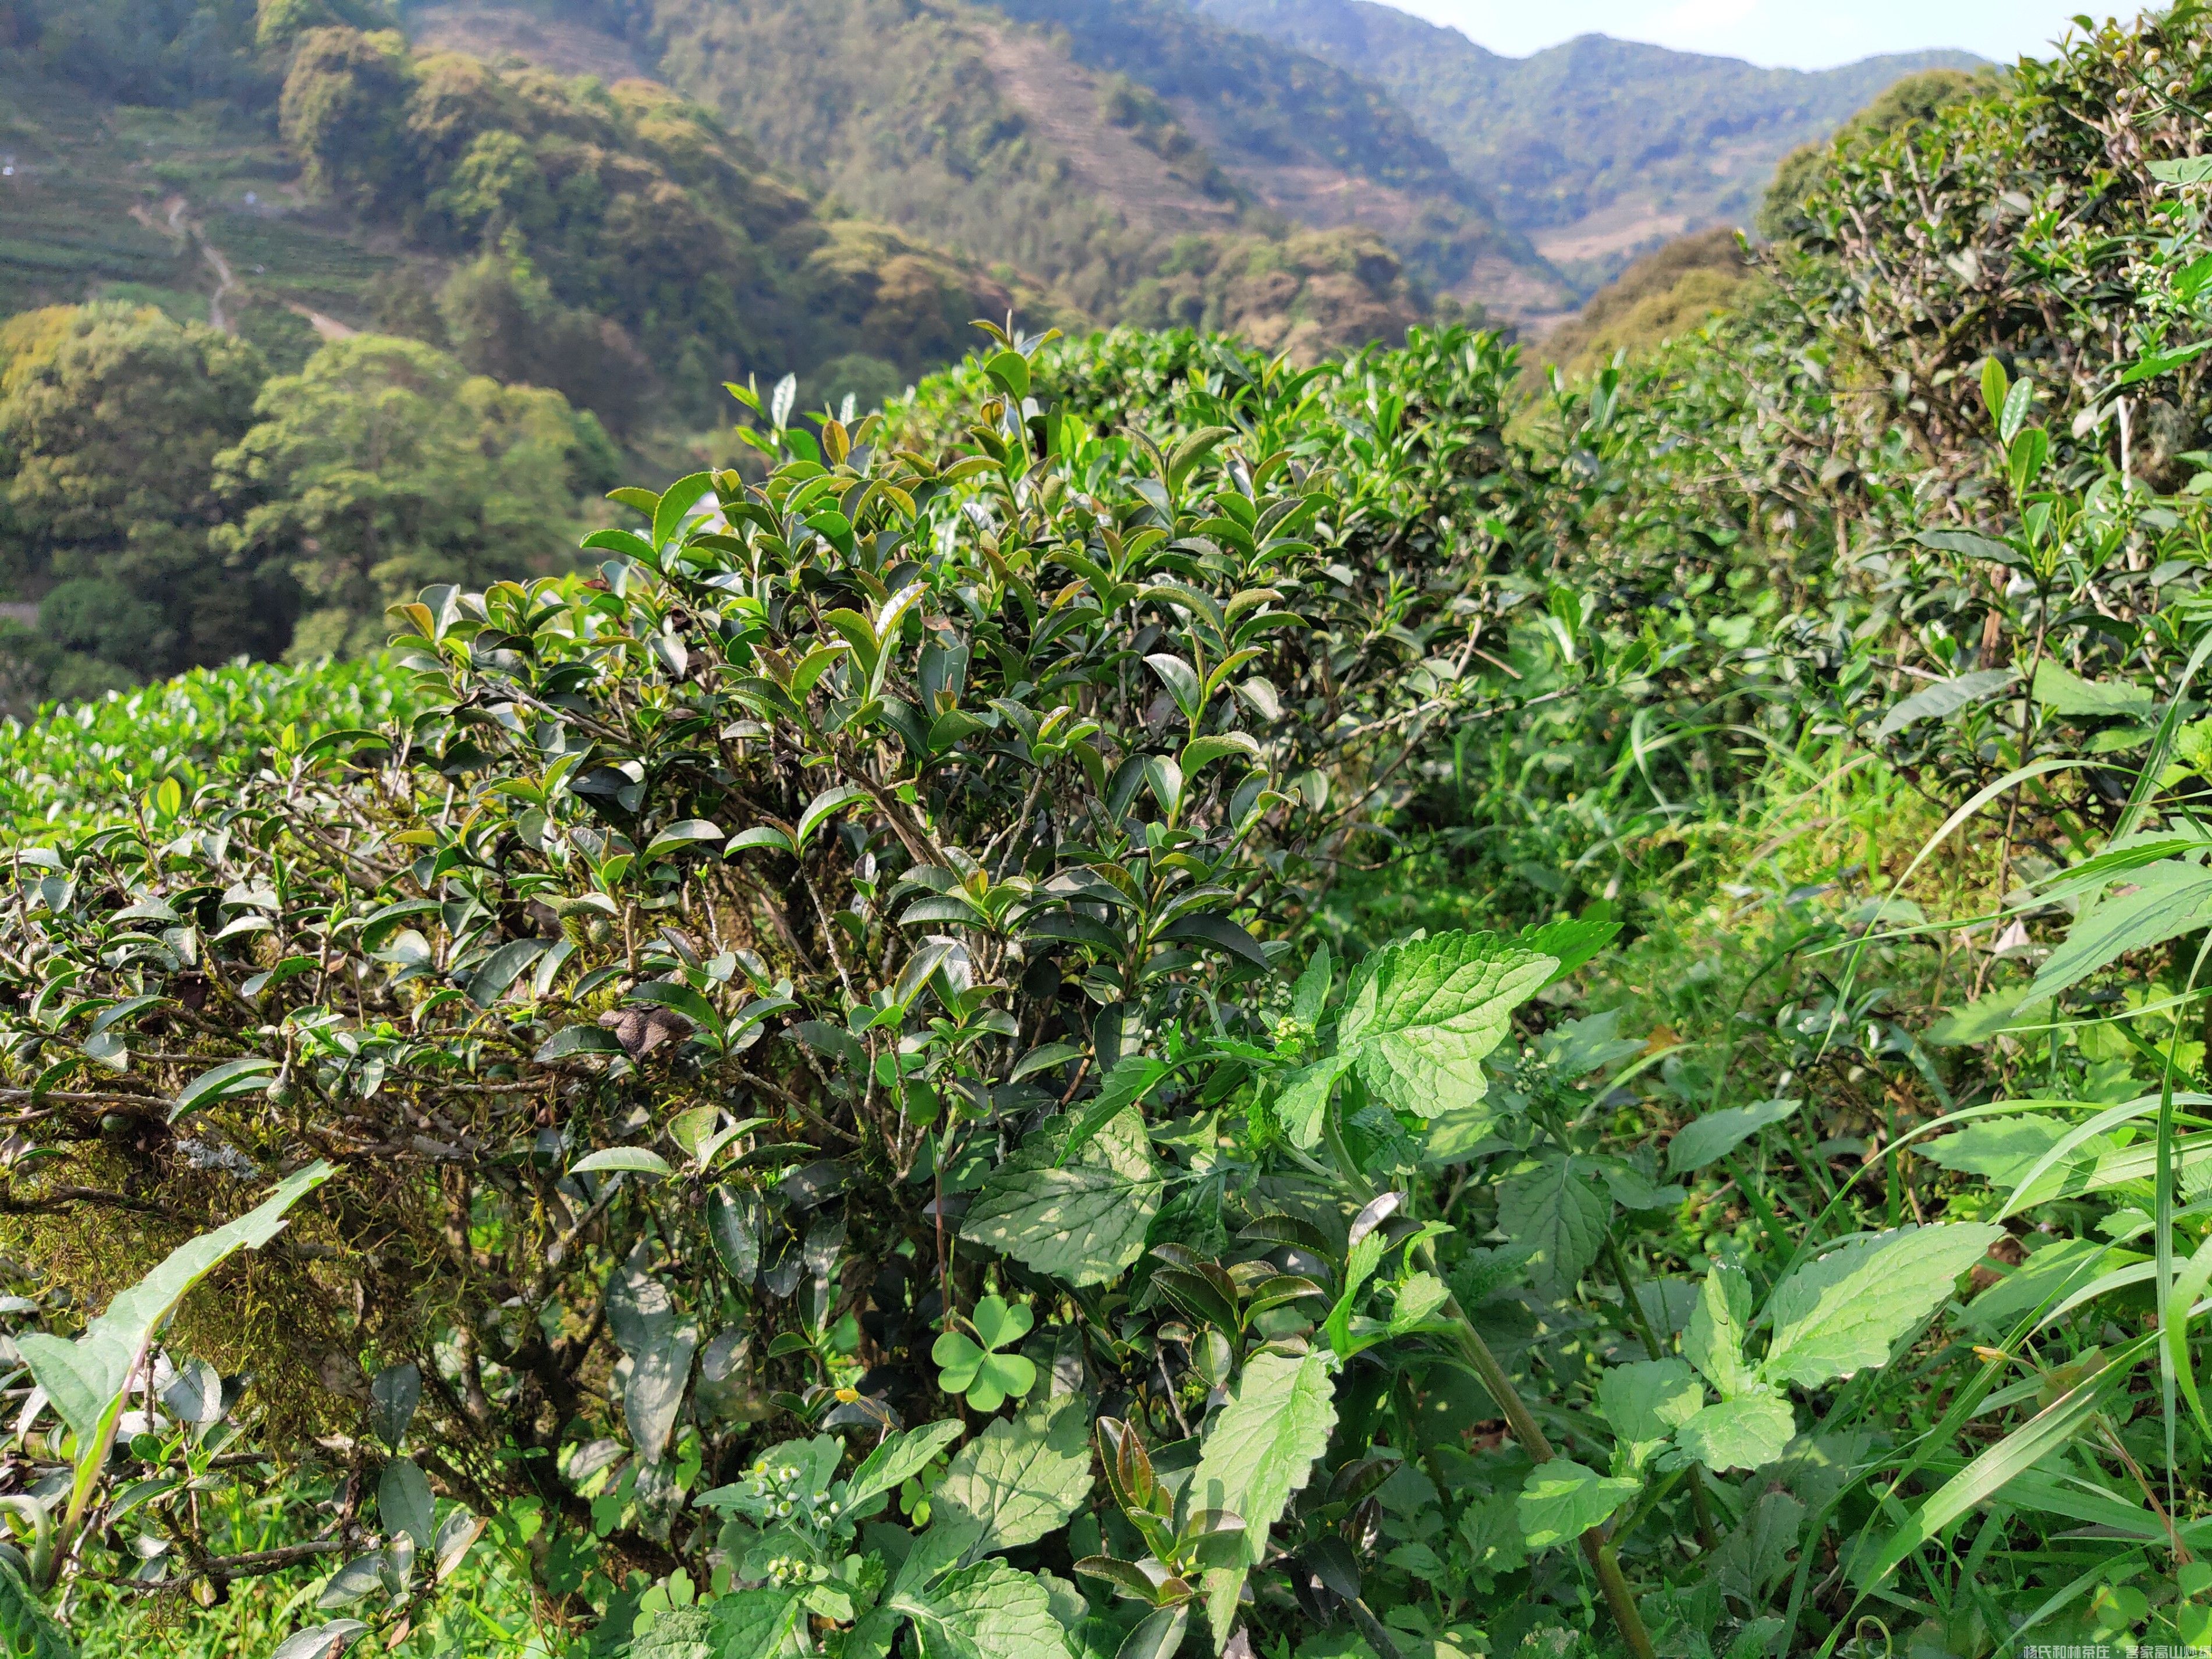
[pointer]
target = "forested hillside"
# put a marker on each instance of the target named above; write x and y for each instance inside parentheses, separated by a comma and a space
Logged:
(1157, 168)
(373, 316)
(1160, 1001)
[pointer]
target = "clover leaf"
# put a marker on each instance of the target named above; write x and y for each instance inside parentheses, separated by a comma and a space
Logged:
(982, 1373)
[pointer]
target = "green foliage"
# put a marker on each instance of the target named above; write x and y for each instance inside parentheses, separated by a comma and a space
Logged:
(108, 440)
(1476, 972)
(66, 768)
(169, 52)
(976, 1369)
(1918, 98)
(178, 506)
(89, 1381)
(1262, 102)
(1418, 1018)
(383, 465)
(1564, 1500)
(1047, 867)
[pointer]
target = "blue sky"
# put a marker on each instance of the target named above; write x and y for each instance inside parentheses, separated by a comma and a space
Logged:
(1800, 33)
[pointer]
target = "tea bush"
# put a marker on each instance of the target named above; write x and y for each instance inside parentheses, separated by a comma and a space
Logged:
(1157, 1002)
(833, 942)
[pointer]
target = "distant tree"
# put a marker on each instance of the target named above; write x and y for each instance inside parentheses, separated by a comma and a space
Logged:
(27, 339)
(287, 339)
(501, 320)
(384, 465)
(400, 301)
(108, 436)
(342, 111)
(136, 51)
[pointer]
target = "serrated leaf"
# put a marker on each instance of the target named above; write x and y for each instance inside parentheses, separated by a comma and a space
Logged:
(1304, 1103)
(89, 1374)
(658, 1375)
(1747, 1432)
(1570, 940)
(1200, 753)
(1042, 1058)
(1158, 1635)
(688, 832)
(734, 1224)
(1192, 450)
(1590, 1044)
(986, 1611)
(1417, 1299)
(1310, 994)
(1649, 1399)
(1703, 1139)
(1023, 1476)
(1714, 1340)
(2067, 694)
(2006, 1151)
(898, 1457)
(1842, 1313)
(195, 1393)
(1084, 1223)
(499, 970)
(823, 807)
(1560, 1500)
(457, 1535)
(362, 1575)
(392, 1398)
(2009, 1010)
(1134, 1077)
(1971, 545)
(1419, 1016)
(1262, 1446)
(1216, 932)
(1181, 682)
(572, 1040)
(760, 1624)
(675, 503)
(1556, 1208)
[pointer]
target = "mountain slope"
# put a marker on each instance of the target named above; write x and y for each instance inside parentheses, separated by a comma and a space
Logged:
(1597, 149)
(1306, 139)
(1109, 146)
(613, 241)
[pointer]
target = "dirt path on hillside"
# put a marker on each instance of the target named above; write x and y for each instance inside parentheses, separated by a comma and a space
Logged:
(225, 280)
(177, 222)
(180, 225)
